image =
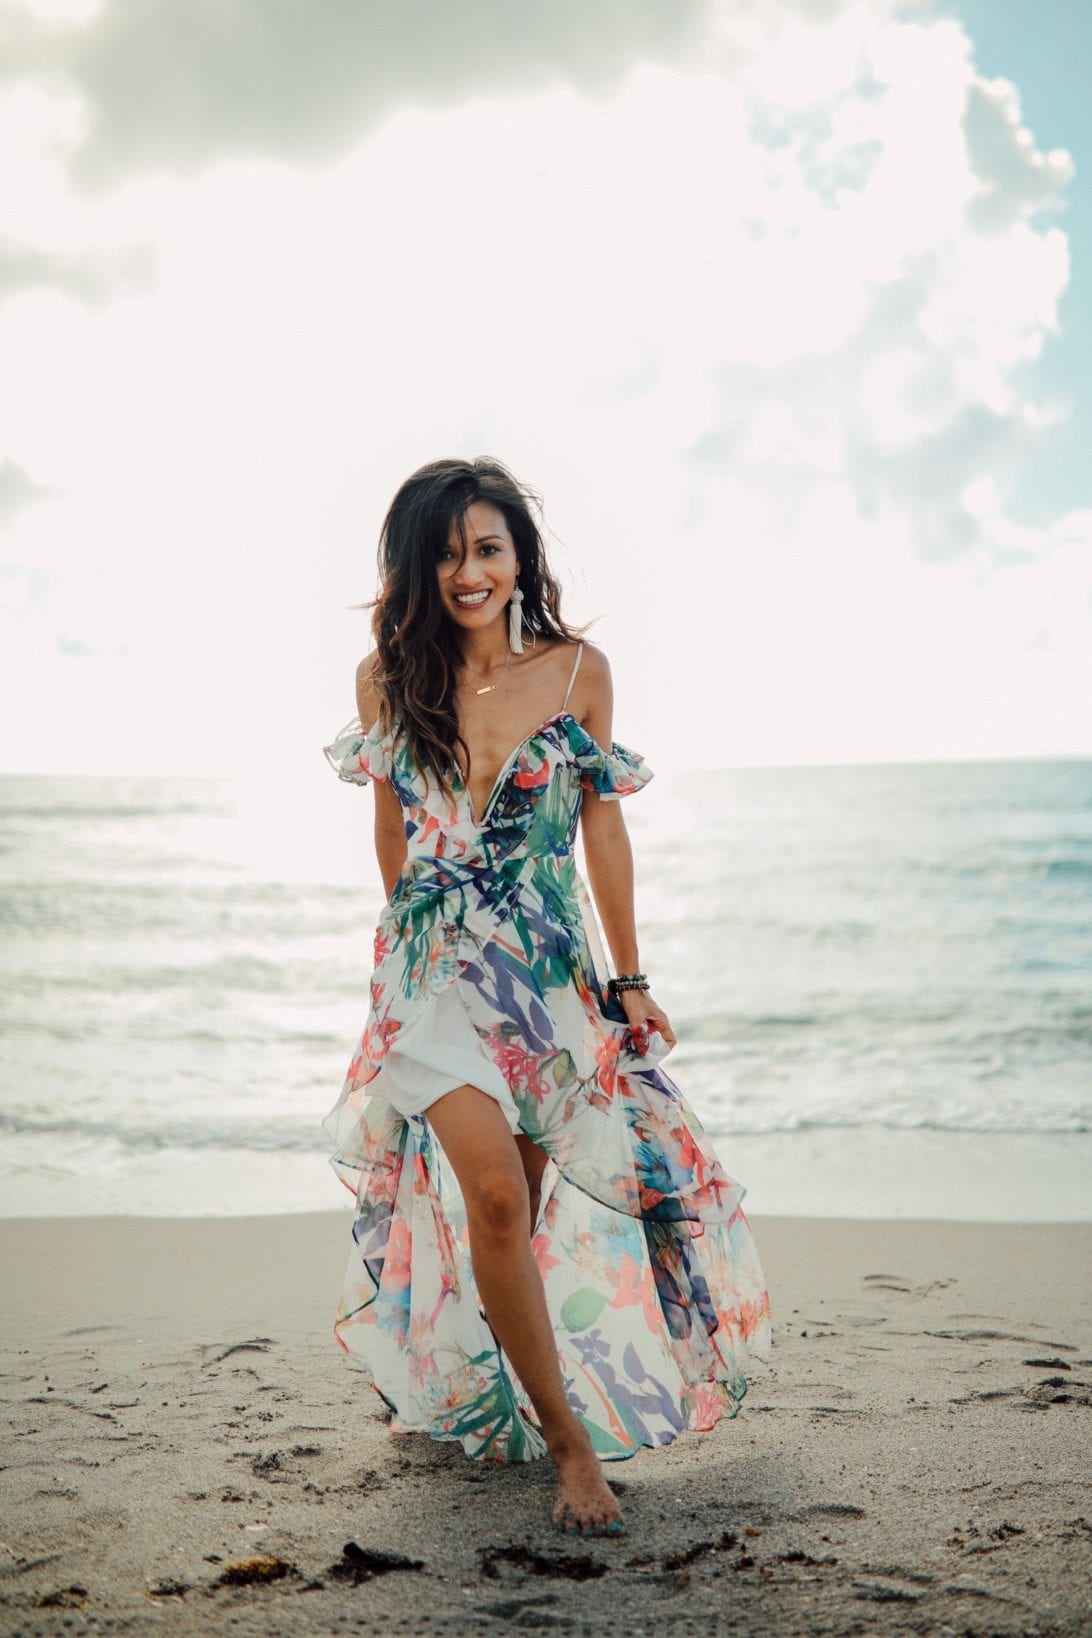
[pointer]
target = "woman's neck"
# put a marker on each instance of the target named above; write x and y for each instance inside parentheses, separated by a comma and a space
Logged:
(485, 650)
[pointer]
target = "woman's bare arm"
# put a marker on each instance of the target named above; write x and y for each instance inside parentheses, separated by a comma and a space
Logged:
(609, 856)
(607, 847)
(390, 832)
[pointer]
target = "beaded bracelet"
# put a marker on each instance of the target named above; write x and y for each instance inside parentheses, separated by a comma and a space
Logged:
(627, 981)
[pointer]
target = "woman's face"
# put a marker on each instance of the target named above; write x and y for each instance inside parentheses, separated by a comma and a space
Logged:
(476, 584)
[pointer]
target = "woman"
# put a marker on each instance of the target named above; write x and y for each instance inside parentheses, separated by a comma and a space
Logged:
(547, 1256)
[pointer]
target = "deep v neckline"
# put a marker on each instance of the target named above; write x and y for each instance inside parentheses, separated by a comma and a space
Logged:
(479, 824)
(506, 765)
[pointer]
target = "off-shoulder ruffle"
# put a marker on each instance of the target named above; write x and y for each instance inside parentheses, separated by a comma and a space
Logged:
(358, 757)
(611, 774)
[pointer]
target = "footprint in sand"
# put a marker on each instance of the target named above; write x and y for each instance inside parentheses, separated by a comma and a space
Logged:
(220, 1350)
(900, 1284)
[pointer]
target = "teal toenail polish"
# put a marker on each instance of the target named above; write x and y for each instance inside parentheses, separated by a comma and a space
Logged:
(615, 1527)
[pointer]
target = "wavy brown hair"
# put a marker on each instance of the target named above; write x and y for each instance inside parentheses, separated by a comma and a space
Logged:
(417, 651)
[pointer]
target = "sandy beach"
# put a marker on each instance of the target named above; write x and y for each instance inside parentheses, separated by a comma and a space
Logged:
(189, 1450)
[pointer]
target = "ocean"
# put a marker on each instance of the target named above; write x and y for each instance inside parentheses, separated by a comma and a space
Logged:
(880, 977)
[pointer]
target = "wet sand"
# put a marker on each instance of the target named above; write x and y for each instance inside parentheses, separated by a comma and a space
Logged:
(914, 1458)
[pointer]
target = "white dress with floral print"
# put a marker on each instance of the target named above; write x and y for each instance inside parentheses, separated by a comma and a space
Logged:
(489, 969)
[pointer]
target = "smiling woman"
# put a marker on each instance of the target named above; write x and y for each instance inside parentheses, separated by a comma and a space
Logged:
(548, 1256)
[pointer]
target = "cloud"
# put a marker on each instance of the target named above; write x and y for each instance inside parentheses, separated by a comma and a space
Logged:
(1016, 181)
(91, 275)
(900, 281)
(176, 85)
(19, 490)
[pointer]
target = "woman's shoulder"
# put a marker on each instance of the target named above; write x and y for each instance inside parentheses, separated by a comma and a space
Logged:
(591, 696)
(583, 667)
(367, 695)
(592, 657)
(593, 677)
(593, 660)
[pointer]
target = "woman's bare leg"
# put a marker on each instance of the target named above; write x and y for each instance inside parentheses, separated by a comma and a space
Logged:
(474, 1136)
(535, 1161)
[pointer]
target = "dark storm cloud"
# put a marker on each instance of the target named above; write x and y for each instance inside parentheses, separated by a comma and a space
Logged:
(177, 84)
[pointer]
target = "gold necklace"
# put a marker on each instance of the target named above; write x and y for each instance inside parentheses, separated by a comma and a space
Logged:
(489, 687)
(508, 666)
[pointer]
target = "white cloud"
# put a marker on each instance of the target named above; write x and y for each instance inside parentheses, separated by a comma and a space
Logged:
(751, 331)
(174, 85)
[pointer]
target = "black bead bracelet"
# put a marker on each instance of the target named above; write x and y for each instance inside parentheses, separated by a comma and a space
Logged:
(627, 981)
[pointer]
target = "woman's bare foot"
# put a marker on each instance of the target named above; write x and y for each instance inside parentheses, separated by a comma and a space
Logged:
(586, 1505)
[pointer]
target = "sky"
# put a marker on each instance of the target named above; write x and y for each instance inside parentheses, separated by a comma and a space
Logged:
(783, 307)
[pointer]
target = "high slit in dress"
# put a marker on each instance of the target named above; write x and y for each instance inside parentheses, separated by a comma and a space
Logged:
(489, 969)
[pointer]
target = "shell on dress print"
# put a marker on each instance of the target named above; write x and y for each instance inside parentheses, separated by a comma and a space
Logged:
(652, 1277)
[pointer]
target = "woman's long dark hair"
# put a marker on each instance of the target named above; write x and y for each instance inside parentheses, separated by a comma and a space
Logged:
(418, 654)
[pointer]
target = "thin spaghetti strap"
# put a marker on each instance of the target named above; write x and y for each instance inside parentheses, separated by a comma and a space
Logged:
(572, 675)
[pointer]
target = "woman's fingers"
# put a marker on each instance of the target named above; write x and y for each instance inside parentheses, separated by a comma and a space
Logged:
(645, 1018)
(659, 1023)
(639, 1032)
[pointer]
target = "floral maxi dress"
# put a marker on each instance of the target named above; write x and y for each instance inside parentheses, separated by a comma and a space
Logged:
(489, 969)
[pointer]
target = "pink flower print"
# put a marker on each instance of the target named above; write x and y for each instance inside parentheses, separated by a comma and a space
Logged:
(422, 1177)
(519, 1067)
(649, 1198)
(531, 773)
(689, 1155)
(396, 1258)
(540, 1246)
(375, 1043)
(421, 1365)
(752, 1313)
(637, 1285)
(386, 1170)
(422, 1362)
(707, 1406)
(430, 826)
(588, 996)
(607, 1050)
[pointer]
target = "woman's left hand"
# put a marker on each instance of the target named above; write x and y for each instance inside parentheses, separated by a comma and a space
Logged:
(644, 1015)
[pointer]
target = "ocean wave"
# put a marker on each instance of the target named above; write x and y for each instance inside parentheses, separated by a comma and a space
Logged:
(287, 1135)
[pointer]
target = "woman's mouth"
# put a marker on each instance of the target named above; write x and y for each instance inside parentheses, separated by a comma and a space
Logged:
(471, 600)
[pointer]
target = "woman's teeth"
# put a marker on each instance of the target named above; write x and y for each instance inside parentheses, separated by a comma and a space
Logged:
(471, 600)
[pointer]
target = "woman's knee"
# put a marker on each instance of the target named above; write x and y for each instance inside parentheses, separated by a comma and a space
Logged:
(497, 1200)
(482, 1151)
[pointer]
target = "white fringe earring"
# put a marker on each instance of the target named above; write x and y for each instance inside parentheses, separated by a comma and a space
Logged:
(515, 621)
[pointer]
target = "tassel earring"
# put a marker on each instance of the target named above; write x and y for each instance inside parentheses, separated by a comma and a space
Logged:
(515, 620)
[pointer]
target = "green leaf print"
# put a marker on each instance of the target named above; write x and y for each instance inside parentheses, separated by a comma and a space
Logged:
(526, 940)
(581, 1309)
(492, 1423)
(563, 1067)
(605, 1444)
